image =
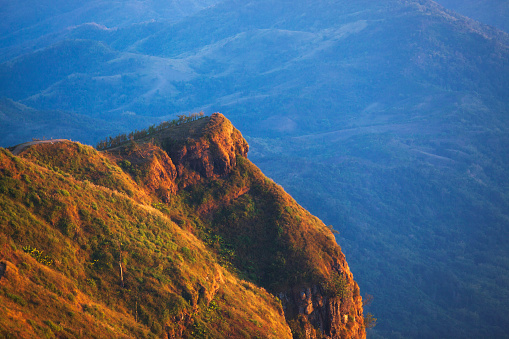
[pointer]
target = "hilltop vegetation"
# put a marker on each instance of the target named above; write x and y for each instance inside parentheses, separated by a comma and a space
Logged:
(136, 135)
(96, 245)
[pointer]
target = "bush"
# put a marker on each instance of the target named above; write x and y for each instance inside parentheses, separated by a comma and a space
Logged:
(188, 254)
(125, 164)
(369, 321)
(67, 227)
(65, 193)
(17, 299)
(54, 327)
(37, 255)
(336, 286)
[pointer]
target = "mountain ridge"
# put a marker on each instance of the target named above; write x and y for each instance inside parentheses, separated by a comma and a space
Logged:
(175, 221)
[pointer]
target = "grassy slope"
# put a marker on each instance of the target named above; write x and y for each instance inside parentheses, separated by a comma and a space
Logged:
(172, 282)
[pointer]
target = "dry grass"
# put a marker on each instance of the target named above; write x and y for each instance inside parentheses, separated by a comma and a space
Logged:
(169, 274)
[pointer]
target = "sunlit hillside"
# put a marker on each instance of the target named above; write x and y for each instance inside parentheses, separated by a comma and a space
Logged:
(165, 237)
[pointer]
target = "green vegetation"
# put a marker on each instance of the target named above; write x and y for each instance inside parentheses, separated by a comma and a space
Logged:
(106, 249)
(256, 232)
(86, 231)
(120, 139)
(369, 321)
(336, 286)
(38, 255)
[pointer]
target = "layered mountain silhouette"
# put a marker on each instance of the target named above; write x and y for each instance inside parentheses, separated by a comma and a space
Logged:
(386, 119)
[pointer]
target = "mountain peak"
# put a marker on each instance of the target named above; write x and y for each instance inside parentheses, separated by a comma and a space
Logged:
(198, 149)
(210, 151)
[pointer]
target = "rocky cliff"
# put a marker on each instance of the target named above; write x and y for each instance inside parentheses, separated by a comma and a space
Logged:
(167, 236)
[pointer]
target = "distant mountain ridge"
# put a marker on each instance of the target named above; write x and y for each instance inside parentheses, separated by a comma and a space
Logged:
(25, 23)
(491, 12)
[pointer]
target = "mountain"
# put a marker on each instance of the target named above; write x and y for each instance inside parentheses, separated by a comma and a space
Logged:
(174, 234)
(387, 119)
(490, 12)
(286, 67)
(23, 123)
(20, 122)
(28, 24)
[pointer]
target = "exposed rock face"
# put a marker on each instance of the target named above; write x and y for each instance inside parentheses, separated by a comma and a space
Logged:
(148, 164)
(204, 149)
(334, 317)
(160, 172)
(210, 153)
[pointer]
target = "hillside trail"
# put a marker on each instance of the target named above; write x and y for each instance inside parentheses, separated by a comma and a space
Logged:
(18, 148)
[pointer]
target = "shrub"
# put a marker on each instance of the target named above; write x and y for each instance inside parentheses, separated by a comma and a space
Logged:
(38, 255)
(94, 310)
(369, 321)
(188, 254)
(125, 164)
(336, 286)
(67, 227)
(17, 299)
(54, 327)
(65, 193)
(24, 266)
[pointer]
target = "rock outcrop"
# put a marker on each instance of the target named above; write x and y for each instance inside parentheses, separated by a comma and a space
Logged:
(321, 316)
(154, 167)
(184, 155)
(208, 150)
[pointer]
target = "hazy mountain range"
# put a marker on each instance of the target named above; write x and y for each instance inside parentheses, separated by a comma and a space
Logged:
(387, 119)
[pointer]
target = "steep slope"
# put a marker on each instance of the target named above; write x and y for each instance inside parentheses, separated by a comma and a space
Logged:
(143, 241)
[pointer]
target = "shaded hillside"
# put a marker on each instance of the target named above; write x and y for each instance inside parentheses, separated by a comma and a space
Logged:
(491, 12)
(274, 72)
(427, 239)
(28, 25)
(144, 241)
(21, 123)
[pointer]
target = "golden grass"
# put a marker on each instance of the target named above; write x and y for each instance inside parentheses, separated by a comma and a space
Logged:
(82, 225)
